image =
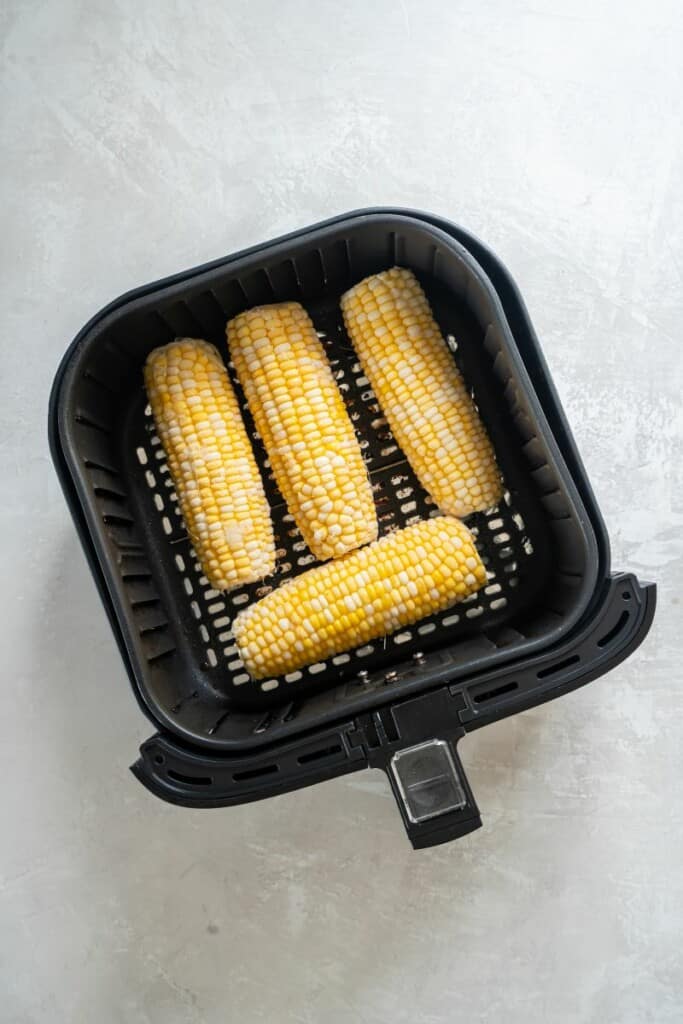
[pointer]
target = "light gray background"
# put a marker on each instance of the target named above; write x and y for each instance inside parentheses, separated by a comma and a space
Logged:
(142, 138)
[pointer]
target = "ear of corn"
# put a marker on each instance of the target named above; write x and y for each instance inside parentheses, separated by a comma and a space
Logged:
(421, 392)
(302, 420)
(403, 577)
(210, 459)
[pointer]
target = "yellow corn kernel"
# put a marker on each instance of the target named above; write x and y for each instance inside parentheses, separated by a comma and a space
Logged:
(401, 578)
(210, 459)
(302, 420)
(421, 391)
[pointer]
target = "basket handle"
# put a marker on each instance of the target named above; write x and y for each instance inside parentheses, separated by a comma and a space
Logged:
(425, 772)
(433, 794)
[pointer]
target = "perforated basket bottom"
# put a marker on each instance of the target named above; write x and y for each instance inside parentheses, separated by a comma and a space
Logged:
(505, 547)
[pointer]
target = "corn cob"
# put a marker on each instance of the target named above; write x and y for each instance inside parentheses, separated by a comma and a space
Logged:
(421, 392)
(405, 576)
(301, 417)
(211, 462)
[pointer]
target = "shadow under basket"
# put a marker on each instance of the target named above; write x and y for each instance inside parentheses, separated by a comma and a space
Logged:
(550, 617)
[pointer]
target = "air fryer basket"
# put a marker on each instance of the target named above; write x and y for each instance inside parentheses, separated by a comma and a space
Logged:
(541, 548)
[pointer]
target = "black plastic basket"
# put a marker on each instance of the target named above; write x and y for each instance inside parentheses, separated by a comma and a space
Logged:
(551, 617)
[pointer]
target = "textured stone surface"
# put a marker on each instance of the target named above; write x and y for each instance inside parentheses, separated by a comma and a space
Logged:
(141, 138)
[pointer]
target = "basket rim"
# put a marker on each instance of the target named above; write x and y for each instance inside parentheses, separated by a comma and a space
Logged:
(89, 527)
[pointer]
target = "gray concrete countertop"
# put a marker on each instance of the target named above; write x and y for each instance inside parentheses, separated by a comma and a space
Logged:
(140, 138)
